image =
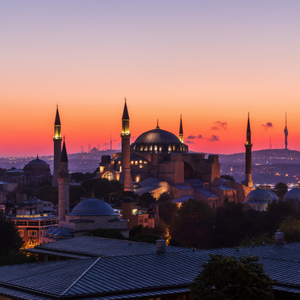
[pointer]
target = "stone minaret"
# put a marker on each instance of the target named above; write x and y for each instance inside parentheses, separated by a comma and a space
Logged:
(57, 147)
(125, 135)
(286, 132)
(181, 130)
(63, 185)
(248, 172)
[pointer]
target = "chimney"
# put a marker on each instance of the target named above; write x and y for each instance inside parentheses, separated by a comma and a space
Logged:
(279, 238)
(161, 246)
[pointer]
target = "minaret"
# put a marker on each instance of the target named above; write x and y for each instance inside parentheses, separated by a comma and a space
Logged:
(286, 132)
(63, 185)
(248, 179)
(57, 147)
(181, 130)
(125, 135)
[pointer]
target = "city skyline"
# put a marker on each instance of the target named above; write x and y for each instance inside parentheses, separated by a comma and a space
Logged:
(212, 63)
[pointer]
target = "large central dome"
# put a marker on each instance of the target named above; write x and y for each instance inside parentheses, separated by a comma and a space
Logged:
(158, 136)
(158, 141)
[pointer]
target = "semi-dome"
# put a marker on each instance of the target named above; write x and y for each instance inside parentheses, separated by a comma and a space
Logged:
(261, 196)
(158, 140)
(92, 207)
(293, 194)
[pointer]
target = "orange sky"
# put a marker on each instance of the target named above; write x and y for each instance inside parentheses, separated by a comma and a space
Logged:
(209, 63)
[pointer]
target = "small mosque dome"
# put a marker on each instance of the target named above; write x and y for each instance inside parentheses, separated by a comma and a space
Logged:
(261, 196)
(37, 161)
(157, 136)
(293, 194)
(92, 207)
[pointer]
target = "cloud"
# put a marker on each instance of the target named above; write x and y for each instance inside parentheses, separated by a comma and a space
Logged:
(105, 144)
(215, 128)
(114, 140)
(191, 137)
(213, 138)
(222, 124)
(189, 142)
(267, 125)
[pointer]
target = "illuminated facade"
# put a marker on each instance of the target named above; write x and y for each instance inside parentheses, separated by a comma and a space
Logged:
(159, 162)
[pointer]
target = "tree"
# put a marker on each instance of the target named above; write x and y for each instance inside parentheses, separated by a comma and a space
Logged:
(103, 188)
(224, 277)
(291, 230)
(231, 225)
(166, 207)
(10, 239)
(280, 189)
(146, 199)
(47, 193)
(192, 224)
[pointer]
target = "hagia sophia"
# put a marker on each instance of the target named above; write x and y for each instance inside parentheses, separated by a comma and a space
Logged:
(159, 161)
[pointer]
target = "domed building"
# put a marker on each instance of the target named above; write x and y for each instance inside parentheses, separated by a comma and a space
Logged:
(259, 199)
(36, 171)
(294, 195)
(162, 157)
(87, 215)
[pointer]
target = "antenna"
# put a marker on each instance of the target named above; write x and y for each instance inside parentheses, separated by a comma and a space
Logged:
(270, 143)
(285, 119)
(110, 143)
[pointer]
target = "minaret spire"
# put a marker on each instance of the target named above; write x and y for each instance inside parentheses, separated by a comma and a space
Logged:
(286, 132)
(248, 160)
(57, 147)
(181, 130)
(63, 184)
(126, 178)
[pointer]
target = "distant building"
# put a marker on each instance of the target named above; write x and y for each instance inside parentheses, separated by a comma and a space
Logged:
(135, 215)
(36, 171)
(32, 225)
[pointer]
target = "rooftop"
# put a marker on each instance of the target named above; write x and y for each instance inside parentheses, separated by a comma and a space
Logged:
(118, 277)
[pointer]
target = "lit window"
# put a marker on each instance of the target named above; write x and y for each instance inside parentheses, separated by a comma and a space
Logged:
(141, 161)
(173, 147)
(108, 175)
(141, 149)
(132, 162)
(155, 148)
(136, 162)
(137, 178)
(150, 149)
(160, 148)
(145, 162)
(119, 162)
(169, 149)
(141, 166)
(146, 148)
(32, 233)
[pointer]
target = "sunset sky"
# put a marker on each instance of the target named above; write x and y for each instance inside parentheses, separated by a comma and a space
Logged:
(211, 61)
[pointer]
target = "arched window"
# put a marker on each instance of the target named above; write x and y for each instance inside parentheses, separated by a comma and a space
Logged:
(108, 175)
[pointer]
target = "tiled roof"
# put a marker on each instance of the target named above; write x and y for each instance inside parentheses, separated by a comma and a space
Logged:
(96, 246)
(206, 193)
(111, 277)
